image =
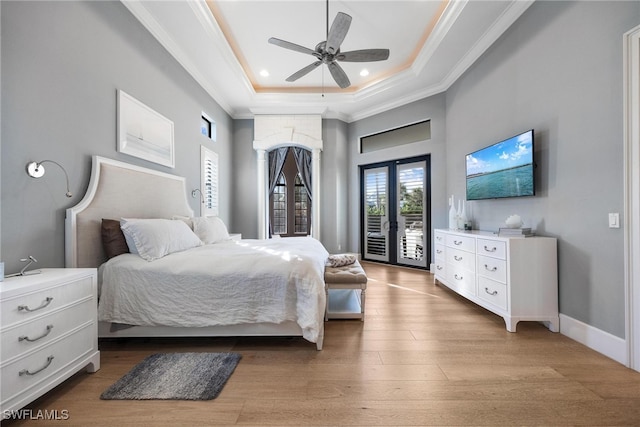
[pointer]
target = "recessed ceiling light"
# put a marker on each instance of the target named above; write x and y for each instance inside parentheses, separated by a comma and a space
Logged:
(364, 72)
(264, 73)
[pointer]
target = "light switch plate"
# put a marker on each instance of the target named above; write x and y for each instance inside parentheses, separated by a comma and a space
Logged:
(614, 220)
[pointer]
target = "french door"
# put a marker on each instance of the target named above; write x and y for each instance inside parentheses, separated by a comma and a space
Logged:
(395, 211)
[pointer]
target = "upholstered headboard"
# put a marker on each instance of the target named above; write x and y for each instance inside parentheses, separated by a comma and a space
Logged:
(117, 190)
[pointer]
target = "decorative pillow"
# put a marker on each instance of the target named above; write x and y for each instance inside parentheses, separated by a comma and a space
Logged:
(187, 220)
(210, 229)
(113, 240)
(155, 238)
(340, 260)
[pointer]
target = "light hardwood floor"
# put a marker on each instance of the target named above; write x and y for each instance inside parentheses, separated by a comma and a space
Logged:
(424, 356)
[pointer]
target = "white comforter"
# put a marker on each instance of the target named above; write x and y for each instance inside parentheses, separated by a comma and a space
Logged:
(233, 282)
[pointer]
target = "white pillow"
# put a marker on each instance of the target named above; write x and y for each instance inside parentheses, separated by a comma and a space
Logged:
(186, 219)
(210, 229)
(155, 238)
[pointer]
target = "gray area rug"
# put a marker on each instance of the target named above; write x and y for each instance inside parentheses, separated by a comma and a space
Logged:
(175, 376)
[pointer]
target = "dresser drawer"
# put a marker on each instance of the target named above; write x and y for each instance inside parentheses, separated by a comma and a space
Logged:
(495, 269)
(42, 364)
(45, 329)
(492, 292)
(461, 259)
(492, 248)
(439, 251)
(439, 269)
(461, 280)
(439, 238)
(461, 242)
(29, 305)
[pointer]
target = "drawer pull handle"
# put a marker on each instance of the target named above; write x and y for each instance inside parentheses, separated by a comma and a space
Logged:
(26, 371)
(46, 302)
(494, 293)
(490, 269)
(26, 338)
(438, 251)
(457, 242)
(457, 277)
(487, 249)
(457, 258)
(439, 267)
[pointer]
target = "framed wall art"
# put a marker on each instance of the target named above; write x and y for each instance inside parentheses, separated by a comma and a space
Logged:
(144, 133)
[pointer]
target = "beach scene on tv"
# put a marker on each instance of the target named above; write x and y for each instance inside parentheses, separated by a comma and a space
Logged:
(501, 170)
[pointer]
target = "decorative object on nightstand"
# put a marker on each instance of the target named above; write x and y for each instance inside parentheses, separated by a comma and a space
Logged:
(36, 170)
(48, 330)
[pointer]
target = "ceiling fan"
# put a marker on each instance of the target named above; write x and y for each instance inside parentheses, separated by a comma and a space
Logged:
(328, 51)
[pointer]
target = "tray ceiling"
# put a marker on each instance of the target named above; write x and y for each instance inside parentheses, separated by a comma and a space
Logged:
(223, 45)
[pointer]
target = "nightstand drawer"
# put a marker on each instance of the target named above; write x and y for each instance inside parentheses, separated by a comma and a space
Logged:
(27, 372)
(27, 306)
(439, 251)
(45, 329)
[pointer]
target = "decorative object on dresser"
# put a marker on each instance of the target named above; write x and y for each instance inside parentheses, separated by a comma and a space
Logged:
(48, 332)
(515, 232)
(512, 277)
(175, 376)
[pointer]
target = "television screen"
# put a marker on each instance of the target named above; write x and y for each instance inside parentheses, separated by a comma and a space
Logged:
(504, 169)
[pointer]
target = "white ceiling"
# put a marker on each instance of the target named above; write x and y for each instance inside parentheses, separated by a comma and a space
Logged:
(223, 45)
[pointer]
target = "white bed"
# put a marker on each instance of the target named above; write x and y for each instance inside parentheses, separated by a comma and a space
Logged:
(120, 190)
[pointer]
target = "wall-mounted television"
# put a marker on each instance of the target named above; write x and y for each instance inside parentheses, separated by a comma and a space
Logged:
(503, 169)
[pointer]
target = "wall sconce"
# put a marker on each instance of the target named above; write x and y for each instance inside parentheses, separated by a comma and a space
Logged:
(36, 170)
(194, 192)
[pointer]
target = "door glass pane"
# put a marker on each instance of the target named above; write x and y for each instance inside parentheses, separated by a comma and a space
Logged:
(411, 213)
(376, 213)
(279, 210)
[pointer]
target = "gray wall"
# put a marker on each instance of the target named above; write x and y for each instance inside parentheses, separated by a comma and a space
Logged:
(557, 70)
(432, 108)
(61, 65)
(333, 183)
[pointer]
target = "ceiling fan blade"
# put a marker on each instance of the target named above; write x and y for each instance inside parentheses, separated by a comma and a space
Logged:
(291, 46)
(339, 75)
(365, 55)
(306, 70)
(338, 32)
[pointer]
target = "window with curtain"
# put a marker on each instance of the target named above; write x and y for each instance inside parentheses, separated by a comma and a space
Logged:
(289, 200)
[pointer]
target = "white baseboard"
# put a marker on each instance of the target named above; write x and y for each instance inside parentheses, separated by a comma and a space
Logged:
(594, 338)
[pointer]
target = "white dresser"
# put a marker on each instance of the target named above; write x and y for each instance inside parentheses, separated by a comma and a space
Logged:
(514, 277)
(48, 332)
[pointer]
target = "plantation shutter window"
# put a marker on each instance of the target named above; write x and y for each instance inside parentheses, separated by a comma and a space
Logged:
(209, 182)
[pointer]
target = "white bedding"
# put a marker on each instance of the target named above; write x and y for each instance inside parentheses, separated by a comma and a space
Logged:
(231, 282)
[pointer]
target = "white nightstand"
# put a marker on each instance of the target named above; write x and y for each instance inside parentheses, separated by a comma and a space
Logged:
(235, 236)
(48, 332)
